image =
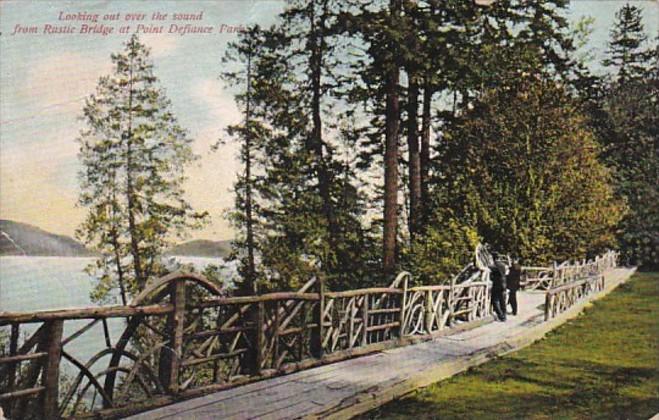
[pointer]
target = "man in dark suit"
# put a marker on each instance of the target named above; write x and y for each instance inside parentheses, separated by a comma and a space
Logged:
(498, 278)
(512, 282)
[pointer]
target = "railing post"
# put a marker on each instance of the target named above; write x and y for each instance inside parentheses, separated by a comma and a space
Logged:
(11, 369)
(451, 304)
(428, 311)
(260, 336)
(274, 333)
(170, 358)
(548, 300)
(365, 320)
(319, 332)
(403, 308)
(50, 377)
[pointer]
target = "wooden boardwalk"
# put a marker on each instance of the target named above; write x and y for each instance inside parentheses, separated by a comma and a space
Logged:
(347, 388)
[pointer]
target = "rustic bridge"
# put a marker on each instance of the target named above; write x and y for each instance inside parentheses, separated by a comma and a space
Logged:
(183, 339)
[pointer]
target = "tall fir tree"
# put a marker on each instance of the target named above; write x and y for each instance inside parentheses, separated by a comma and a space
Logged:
(303, 219)
(392, 64)
(626, 53)
(629, 111)
(248, 133)
(133, 153)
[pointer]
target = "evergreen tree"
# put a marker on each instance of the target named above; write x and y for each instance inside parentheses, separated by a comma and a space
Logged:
(303, 216)
(391, 68)
(249, 133)
(632, 150)
(627, 125)
(133, 154)
(626, 53)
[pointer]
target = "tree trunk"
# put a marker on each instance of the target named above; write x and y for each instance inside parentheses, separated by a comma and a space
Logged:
(391, 157)
(116, 246)
(425, 147)
(130, 193)
(414, 164)
(120, 271)
(250, 280)
(317, 39)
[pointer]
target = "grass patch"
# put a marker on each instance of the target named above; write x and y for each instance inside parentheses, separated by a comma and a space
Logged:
(602, 365)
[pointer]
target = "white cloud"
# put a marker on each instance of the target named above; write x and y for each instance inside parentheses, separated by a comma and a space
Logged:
(218, 103)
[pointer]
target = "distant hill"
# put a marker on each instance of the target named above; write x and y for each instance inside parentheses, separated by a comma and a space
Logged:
(23, 239)
(202, 248)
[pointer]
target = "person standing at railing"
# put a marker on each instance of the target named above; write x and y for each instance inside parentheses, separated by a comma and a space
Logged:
(498, 278)
(513, 283)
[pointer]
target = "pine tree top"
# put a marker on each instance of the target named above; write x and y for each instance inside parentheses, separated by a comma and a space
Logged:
(626, 52)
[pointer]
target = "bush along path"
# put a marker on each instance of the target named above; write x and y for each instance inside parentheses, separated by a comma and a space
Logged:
(603, 364)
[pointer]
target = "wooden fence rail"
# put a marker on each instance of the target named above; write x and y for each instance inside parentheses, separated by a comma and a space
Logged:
(545, 278)
(561, 298)
(182, 337)
(571, 283)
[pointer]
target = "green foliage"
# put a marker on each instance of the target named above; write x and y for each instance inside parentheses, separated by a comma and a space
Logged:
(306, 208)
(626, 53)
(627, 122)
(631, 148)
(522, 168)
(133, 155)
(517, 164)
(441, 252)
(594, 367)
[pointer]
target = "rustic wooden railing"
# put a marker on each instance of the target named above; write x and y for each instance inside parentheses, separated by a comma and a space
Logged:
(561, 298)
(181, 337)
(571, 283)
(545, 278)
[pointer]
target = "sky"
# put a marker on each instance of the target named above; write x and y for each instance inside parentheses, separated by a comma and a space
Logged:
(44, 79)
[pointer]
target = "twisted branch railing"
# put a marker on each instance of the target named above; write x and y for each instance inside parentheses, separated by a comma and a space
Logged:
(571, 283)
(182, 337)
(545, 278)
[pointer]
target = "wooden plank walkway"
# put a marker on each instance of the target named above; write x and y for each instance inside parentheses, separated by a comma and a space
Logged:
(347, 388)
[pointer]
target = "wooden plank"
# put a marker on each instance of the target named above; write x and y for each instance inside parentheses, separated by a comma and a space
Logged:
(213, 357)
(360, 292)
(383, 326)
(433, 288)
(21, 393)
(241, 300)
(22, 358)
(84, 313)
